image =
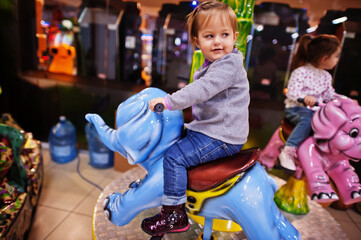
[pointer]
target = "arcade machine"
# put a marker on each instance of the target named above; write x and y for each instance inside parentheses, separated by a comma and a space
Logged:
(130, 44)
(276, 28)
(347, 74)
(327, 27)
(172, 54)
(112, 42)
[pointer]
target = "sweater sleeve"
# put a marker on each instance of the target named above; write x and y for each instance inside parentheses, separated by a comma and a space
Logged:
(219, 76)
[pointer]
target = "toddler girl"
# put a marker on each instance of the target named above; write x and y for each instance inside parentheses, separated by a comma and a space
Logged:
(219, 97)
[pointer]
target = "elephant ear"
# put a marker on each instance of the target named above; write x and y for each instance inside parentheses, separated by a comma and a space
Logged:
(140, 135)
(327, 121)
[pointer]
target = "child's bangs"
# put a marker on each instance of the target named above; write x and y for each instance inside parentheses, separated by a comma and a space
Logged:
(205, 17)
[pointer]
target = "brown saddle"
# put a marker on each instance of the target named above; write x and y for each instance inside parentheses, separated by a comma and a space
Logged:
(208, 175)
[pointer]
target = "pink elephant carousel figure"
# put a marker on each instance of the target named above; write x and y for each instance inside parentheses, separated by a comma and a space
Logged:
(326, 154)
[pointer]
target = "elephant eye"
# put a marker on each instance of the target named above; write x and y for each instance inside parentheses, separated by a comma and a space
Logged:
(353, 133)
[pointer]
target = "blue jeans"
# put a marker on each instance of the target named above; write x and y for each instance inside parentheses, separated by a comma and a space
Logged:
(301, 117)
(193, 149)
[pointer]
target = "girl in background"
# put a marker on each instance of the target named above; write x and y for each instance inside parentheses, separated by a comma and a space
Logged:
(313, 83)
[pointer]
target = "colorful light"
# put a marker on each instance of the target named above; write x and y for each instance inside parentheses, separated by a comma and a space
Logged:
(339, 20)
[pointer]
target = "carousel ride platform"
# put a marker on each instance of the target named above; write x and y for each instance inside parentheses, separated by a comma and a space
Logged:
(317, 224)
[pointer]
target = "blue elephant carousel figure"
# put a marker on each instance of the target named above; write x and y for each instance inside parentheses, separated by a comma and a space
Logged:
(235, 190)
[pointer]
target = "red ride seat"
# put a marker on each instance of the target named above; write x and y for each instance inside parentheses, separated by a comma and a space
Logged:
(208, 175)
(286, 128)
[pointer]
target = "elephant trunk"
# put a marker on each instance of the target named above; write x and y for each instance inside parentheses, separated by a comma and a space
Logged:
(106, 134)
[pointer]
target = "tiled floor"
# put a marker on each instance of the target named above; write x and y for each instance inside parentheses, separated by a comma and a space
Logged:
(67, 201)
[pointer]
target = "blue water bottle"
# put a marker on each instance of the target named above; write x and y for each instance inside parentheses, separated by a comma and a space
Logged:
(62, 141)
(100, 155)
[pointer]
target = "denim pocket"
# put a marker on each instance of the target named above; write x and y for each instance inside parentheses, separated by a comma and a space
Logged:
(228, 151)
(232, 149)
(220, 149)
(218, 152)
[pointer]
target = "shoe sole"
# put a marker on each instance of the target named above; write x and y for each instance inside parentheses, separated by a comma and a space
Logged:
(286, 170)
(173, 231)
(181, 230)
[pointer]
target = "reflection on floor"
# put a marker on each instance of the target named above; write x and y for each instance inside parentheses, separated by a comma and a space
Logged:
(67, 202)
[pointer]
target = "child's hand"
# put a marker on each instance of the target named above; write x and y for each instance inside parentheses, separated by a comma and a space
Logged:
(155, 101)
(310, 101)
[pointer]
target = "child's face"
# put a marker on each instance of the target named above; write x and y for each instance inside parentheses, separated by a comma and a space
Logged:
(216, 38)
(330, 62)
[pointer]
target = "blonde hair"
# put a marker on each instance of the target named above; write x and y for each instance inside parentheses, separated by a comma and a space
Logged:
(202, 14)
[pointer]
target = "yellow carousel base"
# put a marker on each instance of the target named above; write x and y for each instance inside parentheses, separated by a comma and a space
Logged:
(317, 224)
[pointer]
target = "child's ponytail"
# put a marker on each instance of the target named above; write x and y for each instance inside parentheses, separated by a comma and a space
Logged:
(312, 49)
(300, 58)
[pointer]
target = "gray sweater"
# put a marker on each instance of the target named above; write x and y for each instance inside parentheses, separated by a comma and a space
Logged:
(219, 97)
